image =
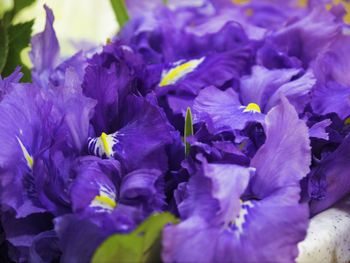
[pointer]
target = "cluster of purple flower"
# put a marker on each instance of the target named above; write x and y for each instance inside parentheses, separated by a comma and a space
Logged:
(95, 144)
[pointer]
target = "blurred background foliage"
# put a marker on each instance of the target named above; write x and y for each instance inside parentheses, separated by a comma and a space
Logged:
(79, 24)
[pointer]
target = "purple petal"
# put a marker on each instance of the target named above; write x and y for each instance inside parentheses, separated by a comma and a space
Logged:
(215, 194)
(141, 140)
(193, 240)
(95, 178)
(297, 92)
(222, 110)
(6, 83)
(143, 186)
(78, 238)
(45, 51)
(262, 83)
(308, 37)
(333, 172)
(331, 97)
(285, 157)
(318, 130)
(268, 232)
(73, 109)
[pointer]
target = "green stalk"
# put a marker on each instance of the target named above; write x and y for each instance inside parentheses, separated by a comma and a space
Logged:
(188, 129)
(120, 11)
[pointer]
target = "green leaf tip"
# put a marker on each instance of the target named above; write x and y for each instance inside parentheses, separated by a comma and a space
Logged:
(143, 245)
(120, 12)
(188, 129)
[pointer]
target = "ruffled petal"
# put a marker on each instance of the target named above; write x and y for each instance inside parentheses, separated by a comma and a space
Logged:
(264, 232)
(141, 140)
(214, 193)
(45, 52)
(285, 157)
(144, 186)
(331, 97)
(222, 110)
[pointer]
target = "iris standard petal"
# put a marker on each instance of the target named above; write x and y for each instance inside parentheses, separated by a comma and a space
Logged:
(222, 110)
(140, 141)
(45, 51)
(285, 157)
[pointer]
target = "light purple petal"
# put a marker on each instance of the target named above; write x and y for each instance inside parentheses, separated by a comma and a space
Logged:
(285, 157)
(262, 83)
(45, 51)
(222, 110)
(331, 97)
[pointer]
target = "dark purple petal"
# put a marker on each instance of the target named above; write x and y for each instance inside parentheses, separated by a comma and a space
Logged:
(21, 232)
(140, 143)
(102, 84)
(308, 37)
(204, 71)
(332, 176)
(45, 247)
(143, 186)
(78, 238)
(73, 109)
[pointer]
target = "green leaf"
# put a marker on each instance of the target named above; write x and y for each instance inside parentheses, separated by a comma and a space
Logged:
(188, 129)
(165, 2)
(120, 12)
(20, 4)
(143, 245)
(17, 7)
(19, 38)
(4, 42)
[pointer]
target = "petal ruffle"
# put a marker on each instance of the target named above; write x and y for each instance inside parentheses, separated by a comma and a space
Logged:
(285, 157)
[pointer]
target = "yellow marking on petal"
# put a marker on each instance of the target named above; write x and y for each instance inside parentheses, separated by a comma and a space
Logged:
(106, 200)
(239, 2)
(241, 147)
(347, 121)
(252, 107)
(328, 6)
(105, 144)
(27, 156)
(302, 3)
(249, 11)
(346, 18)
(109, 41)
(174, 74)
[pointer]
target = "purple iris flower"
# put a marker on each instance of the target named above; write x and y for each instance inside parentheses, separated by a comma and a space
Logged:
(106, 201)
(140, 139)
(220, 227)
(258, 93)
